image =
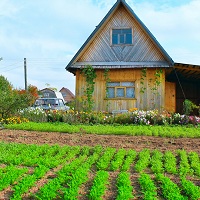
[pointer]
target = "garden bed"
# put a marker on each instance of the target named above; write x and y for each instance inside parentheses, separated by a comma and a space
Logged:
(138, 167)
(128, 142)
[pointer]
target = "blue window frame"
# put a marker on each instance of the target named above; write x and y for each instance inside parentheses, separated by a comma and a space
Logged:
(121, 36)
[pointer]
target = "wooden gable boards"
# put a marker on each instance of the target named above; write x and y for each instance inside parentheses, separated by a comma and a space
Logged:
(98, 50)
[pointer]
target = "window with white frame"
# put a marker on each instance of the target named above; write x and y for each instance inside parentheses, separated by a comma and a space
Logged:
(121, 90)
(121, 36)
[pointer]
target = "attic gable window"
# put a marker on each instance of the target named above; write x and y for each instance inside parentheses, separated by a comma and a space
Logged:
(121, 36)
(121, 90)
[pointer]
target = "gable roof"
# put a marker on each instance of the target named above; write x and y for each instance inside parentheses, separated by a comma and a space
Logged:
(49, 89)
(106, 19)
(68, 91)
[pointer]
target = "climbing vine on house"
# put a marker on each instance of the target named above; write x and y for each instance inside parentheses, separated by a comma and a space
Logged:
(90, 75)
(153, 85)
(157, 80)
(142, 85)
(143, 76)
(107, 80)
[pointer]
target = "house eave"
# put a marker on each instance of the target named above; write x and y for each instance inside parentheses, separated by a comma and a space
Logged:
(161, 63)
(120, 65)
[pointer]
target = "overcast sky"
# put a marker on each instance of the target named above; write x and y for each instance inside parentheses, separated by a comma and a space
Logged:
(49, 32)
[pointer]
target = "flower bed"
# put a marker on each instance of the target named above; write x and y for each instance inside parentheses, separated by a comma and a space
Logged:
(137, 117)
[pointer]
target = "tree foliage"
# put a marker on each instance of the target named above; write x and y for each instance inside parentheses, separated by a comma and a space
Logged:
(12, 100)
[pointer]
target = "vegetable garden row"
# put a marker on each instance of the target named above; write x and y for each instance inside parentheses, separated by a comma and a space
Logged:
(55, 172)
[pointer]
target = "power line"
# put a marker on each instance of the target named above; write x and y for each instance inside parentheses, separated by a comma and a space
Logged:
(9, 65)
(11, 69)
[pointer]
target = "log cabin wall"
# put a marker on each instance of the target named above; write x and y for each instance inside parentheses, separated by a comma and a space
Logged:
(150, 99)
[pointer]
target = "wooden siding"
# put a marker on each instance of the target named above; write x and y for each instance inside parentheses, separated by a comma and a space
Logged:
(170, 97)
(144, 101)
(143, 49)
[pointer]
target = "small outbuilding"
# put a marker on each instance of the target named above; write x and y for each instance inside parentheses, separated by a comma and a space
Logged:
(133, 70)
(67, 94)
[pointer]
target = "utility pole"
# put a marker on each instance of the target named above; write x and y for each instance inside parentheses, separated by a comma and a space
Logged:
(25, 74)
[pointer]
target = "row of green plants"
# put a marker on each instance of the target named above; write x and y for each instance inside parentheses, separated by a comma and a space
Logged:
(124, 186)
(81, 167)
(99, 185)
(131, 130)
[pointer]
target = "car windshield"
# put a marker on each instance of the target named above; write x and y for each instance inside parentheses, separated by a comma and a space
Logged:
(40, 102)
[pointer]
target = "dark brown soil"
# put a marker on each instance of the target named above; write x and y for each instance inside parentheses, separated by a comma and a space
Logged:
(128, 142)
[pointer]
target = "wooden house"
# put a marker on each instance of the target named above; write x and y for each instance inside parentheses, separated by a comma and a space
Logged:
(140, 73)
(67, 94)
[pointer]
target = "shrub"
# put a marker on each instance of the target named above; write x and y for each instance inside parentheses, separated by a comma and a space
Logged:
(189, 107)
(11, 99)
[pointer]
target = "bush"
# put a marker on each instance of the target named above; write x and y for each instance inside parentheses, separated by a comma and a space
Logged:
(189, 107)
(11, 99)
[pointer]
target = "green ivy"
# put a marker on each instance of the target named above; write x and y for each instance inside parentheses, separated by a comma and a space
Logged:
(107, 80)
(90, 74)
(143, 76)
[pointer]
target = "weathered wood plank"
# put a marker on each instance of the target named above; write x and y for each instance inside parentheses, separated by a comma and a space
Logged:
(170, 97)
(142, 49)
(151, 99)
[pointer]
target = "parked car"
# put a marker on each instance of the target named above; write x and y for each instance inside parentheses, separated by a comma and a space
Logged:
(51, 104)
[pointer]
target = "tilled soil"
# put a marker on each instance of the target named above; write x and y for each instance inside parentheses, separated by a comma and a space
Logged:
(127, 142)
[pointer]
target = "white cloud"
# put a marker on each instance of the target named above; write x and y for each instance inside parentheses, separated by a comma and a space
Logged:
(50, 32)
(176, 28)
(8, 9)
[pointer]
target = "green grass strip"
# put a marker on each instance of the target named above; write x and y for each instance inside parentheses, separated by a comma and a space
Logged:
(135, 130)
